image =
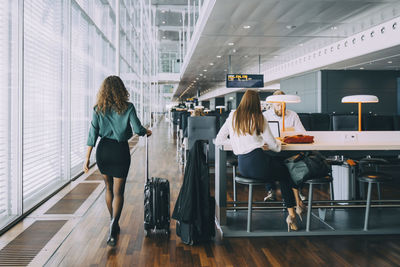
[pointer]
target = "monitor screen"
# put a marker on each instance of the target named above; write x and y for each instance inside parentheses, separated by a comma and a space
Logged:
(244, 80)
(274, 126)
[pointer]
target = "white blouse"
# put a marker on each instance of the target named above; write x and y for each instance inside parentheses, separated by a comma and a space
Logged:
(243, 144)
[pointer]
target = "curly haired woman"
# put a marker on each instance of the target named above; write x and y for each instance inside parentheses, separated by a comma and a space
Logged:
(113, 116)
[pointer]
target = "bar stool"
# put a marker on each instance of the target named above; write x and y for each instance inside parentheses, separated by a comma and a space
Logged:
(373, 163)
(323, 180)
(233, 162)
(372, 178)
(250, 182)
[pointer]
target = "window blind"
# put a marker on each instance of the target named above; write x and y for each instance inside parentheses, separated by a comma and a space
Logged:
(79, 88)
(43, 122)
(4, 109)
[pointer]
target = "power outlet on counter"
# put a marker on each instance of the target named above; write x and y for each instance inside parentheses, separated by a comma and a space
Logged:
(350, 137)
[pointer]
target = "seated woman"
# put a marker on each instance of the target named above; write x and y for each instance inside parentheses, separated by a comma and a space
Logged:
(248, 131)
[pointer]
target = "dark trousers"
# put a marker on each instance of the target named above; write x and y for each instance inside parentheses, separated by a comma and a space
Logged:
(259, 165)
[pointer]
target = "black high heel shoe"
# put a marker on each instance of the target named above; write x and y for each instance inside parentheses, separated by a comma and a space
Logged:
(112, 236)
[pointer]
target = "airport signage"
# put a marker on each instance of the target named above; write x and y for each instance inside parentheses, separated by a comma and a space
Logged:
(244, 80)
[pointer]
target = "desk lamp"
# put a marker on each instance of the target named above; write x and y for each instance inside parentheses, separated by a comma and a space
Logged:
(360, 99)
(283, 99)
(220, 108)
(199, 107)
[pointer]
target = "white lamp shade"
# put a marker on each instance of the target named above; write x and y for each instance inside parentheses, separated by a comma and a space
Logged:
(198, 107)
(283, 98)
(360, 99)
(206, 110)
(220, 107)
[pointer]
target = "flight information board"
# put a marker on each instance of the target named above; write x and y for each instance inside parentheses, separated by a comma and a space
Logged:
(244, 80)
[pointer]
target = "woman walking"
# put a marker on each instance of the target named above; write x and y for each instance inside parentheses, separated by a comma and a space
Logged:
(112, 118)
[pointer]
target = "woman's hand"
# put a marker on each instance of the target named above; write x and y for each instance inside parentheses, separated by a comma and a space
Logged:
(149, 132)
(86, 165)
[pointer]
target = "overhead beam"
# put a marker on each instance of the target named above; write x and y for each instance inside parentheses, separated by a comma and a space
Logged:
(172, 8)
(170, 28)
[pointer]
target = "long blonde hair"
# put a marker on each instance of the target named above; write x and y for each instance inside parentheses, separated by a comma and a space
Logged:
(112, 95)
(248, 117)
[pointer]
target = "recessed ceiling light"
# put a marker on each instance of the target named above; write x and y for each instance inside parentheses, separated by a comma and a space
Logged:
(211, 64)
(361, 68)
(205, 76)
(301, 44)
(275, 56)
(290, 27)
(219, 56)
(204, 70)
(201, 74)
(246, 56)
(390, 62)
(334, 28)
(231, 44)
(163, 22)
(164, 37)
(163, 11)
(246, 27)
(234, 50)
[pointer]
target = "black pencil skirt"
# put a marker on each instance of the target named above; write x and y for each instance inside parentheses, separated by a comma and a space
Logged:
(113, 157)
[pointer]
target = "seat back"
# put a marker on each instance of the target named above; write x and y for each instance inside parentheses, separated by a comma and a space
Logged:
(184, 120)
(202, 128)
(396, 122)
(305, 120)
(320, 122)
(344, 122)
(377, 123)
(175, 117)
(222, 119)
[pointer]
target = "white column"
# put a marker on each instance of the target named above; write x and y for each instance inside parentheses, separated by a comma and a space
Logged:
(180, 49)
(188, 27)
(117, 51)
(141, 57)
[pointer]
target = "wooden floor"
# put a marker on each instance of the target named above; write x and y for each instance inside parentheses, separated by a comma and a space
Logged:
(86, 244)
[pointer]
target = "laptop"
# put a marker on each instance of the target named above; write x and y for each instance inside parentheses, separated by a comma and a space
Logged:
(274, 126)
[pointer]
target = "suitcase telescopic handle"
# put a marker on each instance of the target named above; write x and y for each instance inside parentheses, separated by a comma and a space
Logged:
(146, 163)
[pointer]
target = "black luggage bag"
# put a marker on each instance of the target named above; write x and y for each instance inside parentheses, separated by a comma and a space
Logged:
(156, 202)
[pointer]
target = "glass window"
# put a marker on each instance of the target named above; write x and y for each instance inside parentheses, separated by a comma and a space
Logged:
(9, 180)
(43, 161)
(80, 83)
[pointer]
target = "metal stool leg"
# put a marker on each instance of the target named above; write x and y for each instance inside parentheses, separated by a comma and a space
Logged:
(310, 194)
(249, 208)
(234, 185)
(331, 192)
(379, 190)
(367, 207)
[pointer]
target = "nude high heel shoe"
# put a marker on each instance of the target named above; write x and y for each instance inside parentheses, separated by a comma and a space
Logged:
(291, 223)
(299, 211)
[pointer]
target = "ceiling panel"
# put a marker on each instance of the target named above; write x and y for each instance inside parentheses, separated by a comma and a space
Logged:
(315, 24)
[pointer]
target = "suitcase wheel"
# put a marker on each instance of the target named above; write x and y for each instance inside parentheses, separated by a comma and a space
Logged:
(168, 232)
(146, 233)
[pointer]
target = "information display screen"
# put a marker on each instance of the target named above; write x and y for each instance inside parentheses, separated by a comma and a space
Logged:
(244, 80)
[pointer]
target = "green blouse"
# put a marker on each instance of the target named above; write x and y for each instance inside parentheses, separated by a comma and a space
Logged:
(115, 126)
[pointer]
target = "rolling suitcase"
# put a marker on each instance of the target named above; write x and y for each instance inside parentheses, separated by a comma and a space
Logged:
(156, 201)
